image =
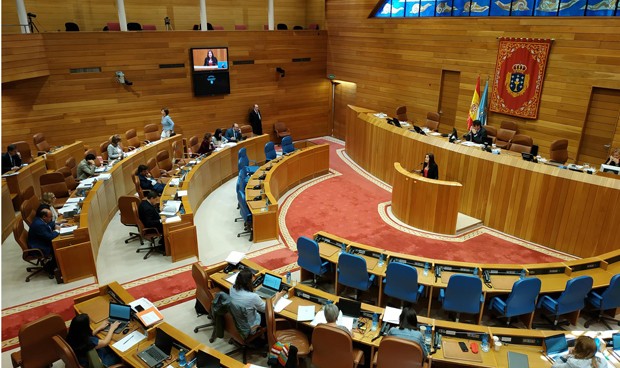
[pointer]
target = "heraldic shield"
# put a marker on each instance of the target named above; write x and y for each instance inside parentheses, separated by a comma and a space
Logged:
(518, 81)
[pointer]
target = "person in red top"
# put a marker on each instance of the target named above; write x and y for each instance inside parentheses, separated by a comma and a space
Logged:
(430, 168)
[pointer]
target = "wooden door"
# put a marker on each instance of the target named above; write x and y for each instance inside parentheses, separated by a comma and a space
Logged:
(448, 99)
(344, 94)
(600, 126)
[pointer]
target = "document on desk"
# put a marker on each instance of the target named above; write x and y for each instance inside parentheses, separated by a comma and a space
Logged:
(67, 230)
(74, 200)
(144, 303)
(392, 315)
(174, 182)
(128, 341)
(172, 220)
(232, 278)
(305, 313)
(281, 304)
(235, 257)
(171, 208)
(182, 193)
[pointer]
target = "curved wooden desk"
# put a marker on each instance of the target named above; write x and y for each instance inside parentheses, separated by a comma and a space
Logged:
(56, 159)
(23, 178)
(569, 211)
(206, 176)
(281, 175)
(426, 204)
(76, 254)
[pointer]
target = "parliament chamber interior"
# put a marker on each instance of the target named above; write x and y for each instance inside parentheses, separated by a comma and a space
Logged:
(315, 183)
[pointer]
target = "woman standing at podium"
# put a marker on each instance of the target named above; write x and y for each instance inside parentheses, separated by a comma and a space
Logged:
(430, 169)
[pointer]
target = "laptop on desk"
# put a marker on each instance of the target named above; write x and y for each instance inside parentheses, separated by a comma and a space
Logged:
(158, 352)
(120, 313)
(349, 307)
(204, 360)
(271, 285)
(556, 347)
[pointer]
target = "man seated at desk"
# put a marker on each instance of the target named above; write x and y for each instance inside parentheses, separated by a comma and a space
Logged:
(233, 134)
(40, 235)
(477, 133)
(147, 182)
(11, 160)
(148, 211)
(86, 167)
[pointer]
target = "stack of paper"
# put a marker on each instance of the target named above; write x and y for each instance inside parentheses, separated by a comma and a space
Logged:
(67, 208)
(128, 341)
(392, 315)
(235, 257)
(305, 313)
(74, 200)
(67, 230)
(281, 304)
(171, 208)
(174, 182)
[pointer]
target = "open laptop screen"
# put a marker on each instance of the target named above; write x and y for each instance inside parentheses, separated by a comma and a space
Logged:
(272, 282)
(351, 308)
(204, 360)
(163, 341)
(616, 341)
(556, 344)
(120, 312)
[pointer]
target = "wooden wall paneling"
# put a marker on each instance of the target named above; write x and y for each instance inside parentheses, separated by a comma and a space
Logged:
(8, 214)
(600, 125)
(80, 257)
(25, 57)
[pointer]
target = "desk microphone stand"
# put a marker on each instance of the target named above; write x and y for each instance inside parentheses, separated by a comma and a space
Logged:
(167, 23)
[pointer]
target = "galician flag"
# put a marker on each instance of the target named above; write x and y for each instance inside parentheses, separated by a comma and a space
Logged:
(475, 102)
(482, 109)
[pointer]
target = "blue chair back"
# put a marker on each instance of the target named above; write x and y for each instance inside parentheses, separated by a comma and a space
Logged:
(244, 210)
(522, 299)
(287, 144)
(352, 271)
(463, 294)
(242, 179)
(573, 298)
(242, 153)
(270, 151)
(308, 256)
(243, 162)
(611, 295)
(401, 282)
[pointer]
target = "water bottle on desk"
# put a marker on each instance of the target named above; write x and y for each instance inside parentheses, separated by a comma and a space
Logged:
(375, 322)
(426, 268)
(522, 275)
(485, 343)
(381, 261)
(288, 278)
(182, 360)
(428, 336)
(343, 248)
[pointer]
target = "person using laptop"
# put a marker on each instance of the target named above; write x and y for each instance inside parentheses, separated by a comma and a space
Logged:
(331, 312)
(82, 339)
(477, 133)
(408, 329)
(242, 294)
(583, 355)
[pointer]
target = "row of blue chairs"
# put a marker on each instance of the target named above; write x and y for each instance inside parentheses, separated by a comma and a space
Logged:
(463, 293)
(287, 147)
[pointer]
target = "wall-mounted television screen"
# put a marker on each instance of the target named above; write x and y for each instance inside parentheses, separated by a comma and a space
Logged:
(209, 58)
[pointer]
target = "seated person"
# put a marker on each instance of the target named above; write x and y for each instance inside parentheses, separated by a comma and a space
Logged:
(40, 235)
(408, 329)
(233, 134)
(582, 355)
(47, 201)
(477, 133)
(331, 312)
(86, 167)
(614, 158)
(115, 150)
(148, 211)
(11, 160)
(82, 339)
(242, 294)
(218, 138)
(206, 146)
(147, 182)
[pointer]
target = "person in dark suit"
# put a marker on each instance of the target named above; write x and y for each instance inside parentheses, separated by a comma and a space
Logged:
(430, 169)
(148, 211)
(40, 235)
(210, 60)
(148, 183)
(233, 134)
(256, 121)
(11, 160)
(477, 133)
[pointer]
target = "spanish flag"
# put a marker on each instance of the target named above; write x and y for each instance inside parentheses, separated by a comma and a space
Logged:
(475, 102)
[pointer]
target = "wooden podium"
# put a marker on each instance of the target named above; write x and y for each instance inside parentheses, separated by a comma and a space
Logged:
(425, 204)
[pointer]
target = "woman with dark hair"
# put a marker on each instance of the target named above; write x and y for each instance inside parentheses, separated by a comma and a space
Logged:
(583, 355)
(408, 329)
(82, 339)
(210, 60)
(218, 138)
(242, 294)
(430, 169)
(206, 146)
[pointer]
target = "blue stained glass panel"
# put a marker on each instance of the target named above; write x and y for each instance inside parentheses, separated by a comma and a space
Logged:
(427, 8)
(572, 8)
(443, 8)
(460, 9)
(500, 8)
(385, 11)
(601, 7)
(547, 8)
(398, 8)
(480, 8)
(412, 9)
(522, 8)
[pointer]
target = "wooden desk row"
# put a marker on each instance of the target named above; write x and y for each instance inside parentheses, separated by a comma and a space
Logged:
(552, 275)
(565, 210)
(528, 342)
(96, 306)
(202, 178)
(77, 253)
(280, 175)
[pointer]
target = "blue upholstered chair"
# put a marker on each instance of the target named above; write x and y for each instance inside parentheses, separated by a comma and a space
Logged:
(352, 272)
(462, 295)
(520, 301)
(246, 215)
(401, 282)
(309, 258)
(572, 299)
(608, 299)
(270, 151)
(287, 145)
(244, 161)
